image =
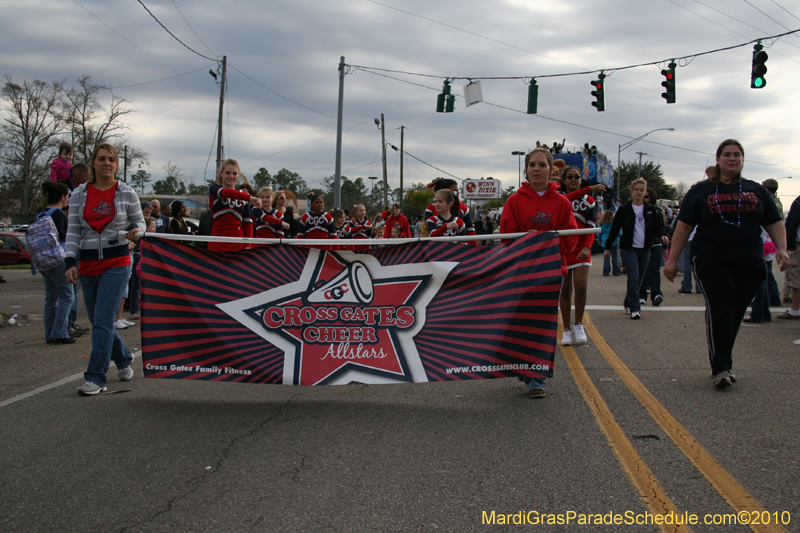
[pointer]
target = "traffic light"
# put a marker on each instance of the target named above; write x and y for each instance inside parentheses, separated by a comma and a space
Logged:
(446, 101)
(757, 80)
(599, 93)
(669, 83)
(533, 97)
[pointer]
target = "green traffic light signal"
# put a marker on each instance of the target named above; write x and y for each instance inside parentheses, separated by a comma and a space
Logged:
(757, 80)
(669, 83)
(445, 101)
(533, 97)
(599, 92)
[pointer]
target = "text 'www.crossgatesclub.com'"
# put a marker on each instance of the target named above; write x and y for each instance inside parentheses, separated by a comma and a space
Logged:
(495, 368)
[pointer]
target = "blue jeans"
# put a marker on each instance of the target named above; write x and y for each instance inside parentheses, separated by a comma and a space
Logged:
(612, 262)
(651, 280)
(688, 271)
(73, 312)
(58, 297)
(760, 307)
(635, 262)
(133, 293)
(102, 295)
(772, 287)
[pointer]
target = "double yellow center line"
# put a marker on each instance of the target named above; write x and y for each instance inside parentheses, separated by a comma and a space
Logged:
(644, 480)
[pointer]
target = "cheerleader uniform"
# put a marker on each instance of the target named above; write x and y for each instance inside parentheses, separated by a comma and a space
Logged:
(230, 211)
(317, 226)
(268, 224)
(463, 214)
(437, 226)
(585, 210)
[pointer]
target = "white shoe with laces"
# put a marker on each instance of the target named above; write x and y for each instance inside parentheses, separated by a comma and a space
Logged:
(566, 339)
(124, 374)
(127, 322)
(579, 334)
(119, 324)
(90, 389)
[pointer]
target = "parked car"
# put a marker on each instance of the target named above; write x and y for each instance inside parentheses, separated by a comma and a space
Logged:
(14, 249)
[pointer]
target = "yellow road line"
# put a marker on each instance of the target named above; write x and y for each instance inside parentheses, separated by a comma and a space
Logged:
(641, 476)
(730, 489)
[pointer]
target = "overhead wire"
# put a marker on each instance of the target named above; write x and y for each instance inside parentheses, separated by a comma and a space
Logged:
(173, 35)
(190, 27)
(163, 79)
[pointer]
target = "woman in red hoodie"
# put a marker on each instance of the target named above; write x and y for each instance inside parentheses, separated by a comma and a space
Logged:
(538, 206)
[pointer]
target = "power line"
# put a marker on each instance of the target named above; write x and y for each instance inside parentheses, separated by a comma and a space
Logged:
(163, 79)
(173, 35)
(126, 39)
(190, 27)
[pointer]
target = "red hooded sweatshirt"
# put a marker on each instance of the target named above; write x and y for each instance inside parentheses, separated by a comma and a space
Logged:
(527, 210)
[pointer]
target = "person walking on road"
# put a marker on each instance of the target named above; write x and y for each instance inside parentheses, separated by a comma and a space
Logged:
(727, 252)
(99, 210)
(640, 224)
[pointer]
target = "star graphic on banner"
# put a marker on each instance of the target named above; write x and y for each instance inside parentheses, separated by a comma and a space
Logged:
(346, 321)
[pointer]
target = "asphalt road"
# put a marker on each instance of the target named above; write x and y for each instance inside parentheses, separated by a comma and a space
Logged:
(198, 456)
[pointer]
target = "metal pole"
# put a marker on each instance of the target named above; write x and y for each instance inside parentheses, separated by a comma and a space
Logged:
(337, 187)
(519, 166)
(402, 131)
(125, 166)
(639, 172)
(385, 176)
(221, 104)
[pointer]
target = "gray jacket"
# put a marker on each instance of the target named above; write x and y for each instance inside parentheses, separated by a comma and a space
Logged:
(92, 245)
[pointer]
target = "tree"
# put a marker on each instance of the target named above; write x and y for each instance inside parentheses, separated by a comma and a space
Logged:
(89, 120)
(169, 186)
(261, 179)
(172, 169)
(352, 191)
(195, 189)
(417, 198)
(34, 118)
(139, 180)
(627, 172)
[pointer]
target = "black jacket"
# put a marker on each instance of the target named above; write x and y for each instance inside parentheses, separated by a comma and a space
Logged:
(625, 219)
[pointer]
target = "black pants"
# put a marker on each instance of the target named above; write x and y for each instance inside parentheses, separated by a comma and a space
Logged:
(728, 287)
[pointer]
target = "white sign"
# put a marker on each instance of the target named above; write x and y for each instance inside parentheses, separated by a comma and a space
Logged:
(472, 93)
(481, 189)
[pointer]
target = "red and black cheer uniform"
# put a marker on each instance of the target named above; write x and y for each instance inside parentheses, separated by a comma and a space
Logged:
(463, 214)
(437, 226)
(230, 210)
(317, 226)
(268, 224)
(585, 210)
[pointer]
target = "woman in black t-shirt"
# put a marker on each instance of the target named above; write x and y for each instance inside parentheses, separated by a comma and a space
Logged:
(727, 253)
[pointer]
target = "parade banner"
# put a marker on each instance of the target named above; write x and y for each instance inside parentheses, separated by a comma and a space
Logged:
(416, 312)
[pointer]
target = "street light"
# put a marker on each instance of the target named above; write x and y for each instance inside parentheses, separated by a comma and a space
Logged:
(373, 178)
(519, 165)
(628, 145)
(784, 178)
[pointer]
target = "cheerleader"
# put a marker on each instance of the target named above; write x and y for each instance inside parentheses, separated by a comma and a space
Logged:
(268, 221)
(316, 223)
(230, 209)
(537, 206)
(446, 222)
(359, 226)
(580, 260)
(463, 210)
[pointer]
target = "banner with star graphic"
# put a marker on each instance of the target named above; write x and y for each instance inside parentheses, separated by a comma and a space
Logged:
(416, 312)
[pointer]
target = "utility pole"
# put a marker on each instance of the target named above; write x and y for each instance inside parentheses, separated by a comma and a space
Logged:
(402, 131)
(219, 122)
(337, 183)
(125, 165)
(639, 172)
(385, 175)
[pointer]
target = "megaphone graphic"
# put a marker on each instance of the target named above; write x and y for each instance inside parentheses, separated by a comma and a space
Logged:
(351, 285)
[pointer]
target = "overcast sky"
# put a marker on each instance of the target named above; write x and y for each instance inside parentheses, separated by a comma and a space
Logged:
(283, 57)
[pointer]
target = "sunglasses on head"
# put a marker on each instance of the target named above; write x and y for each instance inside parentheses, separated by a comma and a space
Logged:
(573, 177)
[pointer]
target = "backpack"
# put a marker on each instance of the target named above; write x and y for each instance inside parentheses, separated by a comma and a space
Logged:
(42, 236)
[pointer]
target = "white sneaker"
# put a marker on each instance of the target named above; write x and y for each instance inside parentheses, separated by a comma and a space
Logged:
(119, 324)
(127, 322)
(90, 389)
(579, 332)
(566, 340)
(124, 374)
